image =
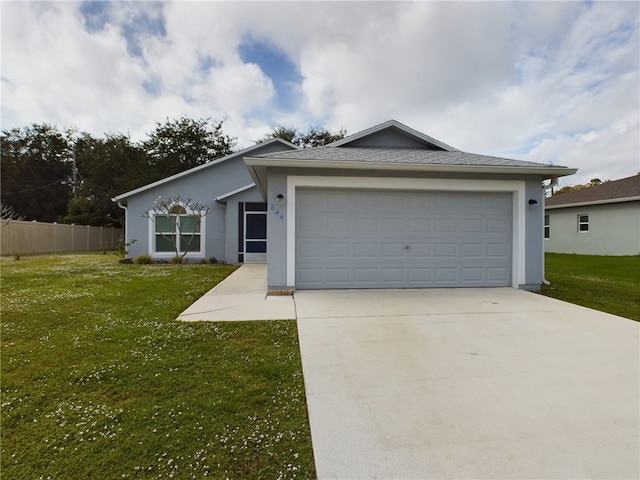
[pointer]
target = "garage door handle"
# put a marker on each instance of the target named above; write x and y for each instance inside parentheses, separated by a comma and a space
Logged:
(406, 247)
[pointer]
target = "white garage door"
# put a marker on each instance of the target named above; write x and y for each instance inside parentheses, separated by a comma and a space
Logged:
(400, 239)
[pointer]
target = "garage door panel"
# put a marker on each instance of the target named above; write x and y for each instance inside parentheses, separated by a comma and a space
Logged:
(471, 274)
(498, 250)
(446, 250)
(393, 225)
(366, 225)
(472, 250)
(471, 225)
(421, 275)
(418, 251)
(445, 201)
(335, 224)
(393, 250)
(338, 275)
(365, 250)
(495, 225)
(446, 225)
(497, 274)
(367, 239)
(393, 274)
(419, 225)
(340, 250)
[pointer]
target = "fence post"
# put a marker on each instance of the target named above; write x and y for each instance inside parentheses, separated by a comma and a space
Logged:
(34, 237)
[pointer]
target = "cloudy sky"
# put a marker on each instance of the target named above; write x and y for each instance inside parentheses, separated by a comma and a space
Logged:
(551, 82)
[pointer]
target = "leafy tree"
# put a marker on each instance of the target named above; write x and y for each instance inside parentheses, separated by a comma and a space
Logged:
(314, 137)
(572, 188)
(106, 167)
(318, 137)
(178, 145)
(36, 171)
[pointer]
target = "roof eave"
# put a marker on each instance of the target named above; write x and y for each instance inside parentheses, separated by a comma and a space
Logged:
(593, 202)
(549, 172)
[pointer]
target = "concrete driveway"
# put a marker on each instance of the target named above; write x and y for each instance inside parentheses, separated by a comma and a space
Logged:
(468, 383)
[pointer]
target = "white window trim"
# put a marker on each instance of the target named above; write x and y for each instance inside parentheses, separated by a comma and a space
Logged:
(169, 255)
(587, 223)
(516, 187)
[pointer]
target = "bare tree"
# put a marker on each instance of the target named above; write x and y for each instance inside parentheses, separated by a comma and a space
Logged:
(178, 219)
(8, 214)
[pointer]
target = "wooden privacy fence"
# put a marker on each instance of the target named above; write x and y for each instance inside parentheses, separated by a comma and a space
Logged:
(18, 237)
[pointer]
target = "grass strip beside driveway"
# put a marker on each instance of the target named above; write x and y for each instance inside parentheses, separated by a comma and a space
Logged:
(100, 381)
(605, 283)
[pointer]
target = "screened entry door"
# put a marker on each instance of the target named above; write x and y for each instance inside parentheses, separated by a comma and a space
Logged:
(255, 233)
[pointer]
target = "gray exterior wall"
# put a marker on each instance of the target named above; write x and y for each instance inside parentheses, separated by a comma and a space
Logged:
(202, 184)
(531, 258)
(277, 232)
(614, 229)
(203, 187)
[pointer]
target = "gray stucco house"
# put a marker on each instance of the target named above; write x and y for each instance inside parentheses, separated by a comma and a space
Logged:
(388, 207)
(234, 232)
(599, 220)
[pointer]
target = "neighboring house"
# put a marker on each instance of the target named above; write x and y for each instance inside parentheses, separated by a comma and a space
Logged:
(598, 220)
(391, 207)
(234, 232)
(388, 207)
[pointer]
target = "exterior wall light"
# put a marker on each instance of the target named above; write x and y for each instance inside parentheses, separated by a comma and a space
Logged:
(533, 202)
(280, 199)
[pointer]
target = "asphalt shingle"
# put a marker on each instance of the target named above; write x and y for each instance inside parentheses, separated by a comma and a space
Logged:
(410, 156)
(624, 188)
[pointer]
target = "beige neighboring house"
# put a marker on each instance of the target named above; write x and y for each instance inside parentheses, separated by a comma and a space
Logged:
(599, 220)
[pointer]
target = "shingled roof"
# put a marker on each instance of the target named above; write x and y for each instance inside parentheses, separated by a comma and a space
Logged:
(623, 190)
(412, 156)
(394, 147)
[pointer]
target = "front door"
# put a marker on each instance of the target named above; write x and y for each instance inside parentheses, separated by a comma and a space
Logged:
(255, 232)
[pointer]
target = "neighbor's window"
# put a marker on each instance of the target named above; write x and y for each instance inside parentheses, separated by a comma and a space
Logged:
(583, 223)
(547, 227)
(178, 229)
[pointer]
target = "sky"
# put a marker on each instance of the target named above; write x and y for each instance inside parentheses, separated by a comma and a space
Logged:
(550, 82)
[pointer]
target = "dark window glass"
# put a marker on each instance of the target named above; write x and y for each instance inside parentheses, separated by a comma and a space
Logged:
(256, 247)
(255, 207)
(256, 226)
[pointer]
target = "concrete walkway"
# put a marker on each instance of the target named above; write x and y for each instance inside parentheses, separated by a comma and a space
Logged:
(241, 296)
(468, 383)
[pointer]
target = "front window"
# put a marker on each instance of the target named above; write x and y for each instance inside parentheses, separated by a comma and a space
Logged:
(179, 230)
(583, 223)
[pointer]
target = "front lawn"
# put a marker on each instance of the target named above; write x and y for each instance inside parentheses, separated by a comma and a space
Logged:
(609, 284)
(99, 380)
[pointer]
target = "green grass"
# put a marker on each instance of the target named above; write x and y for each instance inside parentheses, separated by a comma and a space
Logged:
(99, 380)
(609, 284)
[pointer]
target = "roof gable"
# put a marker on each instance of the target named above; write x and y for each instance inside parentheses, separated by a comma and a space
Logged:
(270, 146)
(625, 189)
(392, 134)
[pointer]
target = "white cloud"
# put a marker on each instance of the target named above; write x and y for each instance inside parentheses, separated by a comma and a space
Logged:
(545, 81)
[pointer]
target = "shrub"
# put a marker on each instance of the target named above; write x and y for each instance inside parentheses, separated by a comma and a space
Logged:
(176, 260)
(143, 259)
